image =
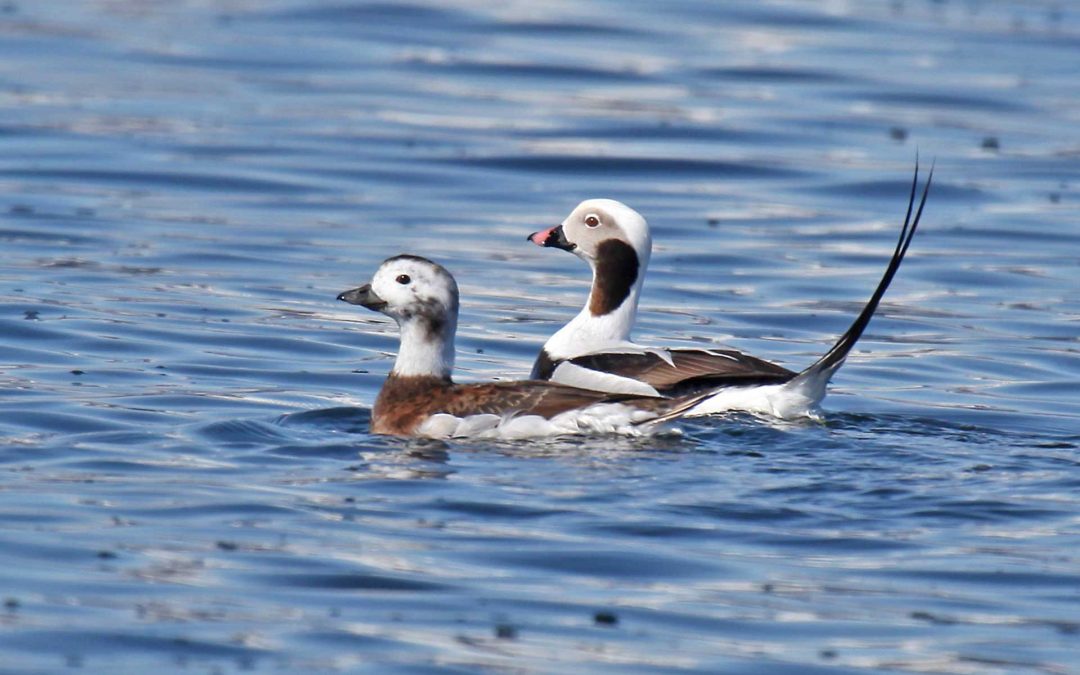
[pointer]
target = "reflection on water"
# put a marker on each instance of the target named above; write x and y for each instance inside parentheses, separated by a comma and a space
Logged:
(189, 483)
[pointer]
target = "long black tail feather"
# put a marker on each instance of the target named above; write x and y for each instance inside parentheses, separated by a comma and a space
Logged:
(839, 351)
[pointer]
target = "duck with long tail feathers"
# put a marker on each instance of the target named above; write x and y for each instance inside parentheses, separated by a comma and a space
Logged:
(594, 350)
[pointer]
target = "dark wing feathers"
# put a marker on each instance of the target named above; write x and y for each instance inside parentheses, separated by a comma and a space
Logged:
(534, 397)
(693, 369)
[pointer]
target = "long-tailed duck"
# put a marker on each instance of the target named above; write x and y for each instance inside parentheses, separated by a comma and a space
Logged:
(420, 399)
(594, 350)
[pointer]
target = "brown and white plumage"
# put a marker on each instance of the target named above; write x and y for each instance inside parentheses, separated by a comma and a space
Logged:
(594, 350)
(419, 398)
(700, 368)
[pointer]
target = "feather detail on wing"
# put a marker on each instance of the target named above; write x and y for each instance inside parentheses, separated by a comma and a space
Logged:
(436, 407)
(686, 369)
(545, 399)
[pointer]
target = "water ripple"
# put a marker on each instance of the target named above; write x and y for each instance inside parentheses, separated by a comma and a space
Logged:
(188, 481)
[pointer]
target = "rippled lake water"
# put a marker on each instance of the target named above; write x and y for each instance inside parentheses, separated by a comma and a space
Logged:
(187, 479)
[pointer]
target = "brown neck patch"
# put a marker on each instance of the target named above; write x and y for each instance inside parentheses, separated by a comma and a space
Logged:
(544, 367)
(616, 272)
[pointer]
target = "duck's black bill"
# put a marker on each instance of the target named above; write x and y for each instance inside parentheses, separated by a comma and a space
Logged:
(552, 238)
(363, 296)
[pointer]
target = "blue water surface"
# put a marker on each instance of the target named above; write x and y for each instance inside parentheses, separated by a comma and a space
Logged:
(187, 482)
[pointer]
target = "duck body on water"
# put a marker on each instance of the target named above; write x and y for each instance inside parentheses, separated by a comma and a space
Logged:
(420, 398)
(594, 350)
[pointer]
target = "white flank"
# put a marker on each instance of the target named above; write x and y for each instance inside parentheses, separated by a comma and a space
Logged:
(788, 401)
(602, 418)
(587, 378)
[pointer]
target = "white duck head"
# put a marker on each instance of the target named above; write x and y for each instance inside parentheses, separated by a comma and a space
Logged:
(615, 240)
(422, 297)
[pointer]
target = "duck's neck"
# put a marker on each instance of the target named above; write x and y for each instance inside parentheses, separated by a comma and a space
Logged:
(427, 348)
(608, 316)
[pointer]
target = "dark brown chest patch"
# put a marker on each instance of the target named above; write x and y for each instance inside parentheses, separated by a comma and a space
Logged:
(616, 272)
(404, 402)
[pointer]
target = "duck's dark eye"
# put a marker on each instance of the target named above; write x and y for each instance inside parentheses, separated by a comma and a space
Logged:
(591, 220)
(403, 279)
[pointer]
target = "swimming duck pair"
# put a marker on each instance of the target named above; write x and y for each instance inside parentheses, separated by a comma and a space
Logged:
(589, 377)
